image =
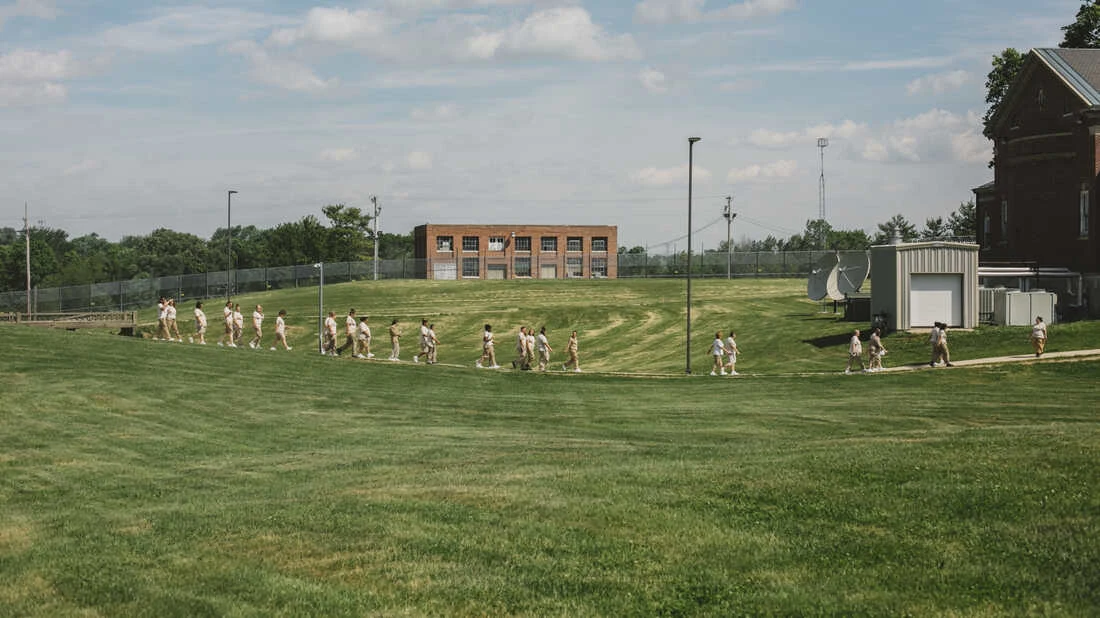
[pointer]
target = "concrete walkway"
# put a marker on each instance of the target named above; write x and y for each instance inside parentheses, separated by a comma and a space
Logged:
(997, 360)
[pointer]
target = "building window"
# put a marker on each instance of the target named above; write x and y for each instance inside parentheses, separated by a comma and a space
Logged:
(985, 230)
(1004, 219)
(496, 243)
(523, 243)
(470, 243)
(549, 243)
(471, 267)
(574, 243)
(574, 267)
(444, 244)
(1083, 223)
(599, 267)
(522, 266)
(599, 243)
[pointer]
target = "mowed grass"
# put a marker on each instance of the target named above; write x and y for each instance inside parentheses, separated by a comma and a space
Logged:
(156, 479)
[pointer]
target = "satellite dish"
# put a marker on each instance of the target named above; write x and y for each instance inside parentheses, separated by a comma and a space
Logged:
(852, 271)
(818, 285)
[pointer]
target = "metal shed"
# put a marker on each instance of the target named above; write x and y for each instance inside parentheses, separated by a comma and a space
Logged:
(914, 285)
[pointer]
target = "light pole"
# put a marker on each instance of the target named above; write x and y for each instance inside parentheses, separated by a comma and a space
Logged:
(691, 165)
(377, 239)
(730, 216)
(229, 243)
(321, 308)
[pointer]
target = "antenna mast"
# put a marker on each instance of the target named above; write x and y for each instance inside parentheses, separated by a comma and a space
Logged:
(27, 238)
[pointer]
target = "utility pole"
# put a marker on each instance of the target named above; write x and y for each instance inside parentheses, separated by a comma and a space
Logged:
(822, 143)
(730, 216)
(27, 237)
(377, 238)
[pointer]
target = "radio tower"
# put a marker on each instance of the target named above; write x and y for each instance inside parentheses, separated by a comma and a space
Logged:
(822, 143)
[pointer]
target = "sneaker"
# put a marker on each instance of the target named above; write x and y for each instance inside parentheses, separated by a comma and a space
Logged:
(288, 348)
(722, 374)
(495, 367)
(370, 355)
(847, 371)
(356, 356)
(949, 365)
(514, 365)
(232, 345)
(202, 343)
(221, 345)
(190, 340)
(416, 359)
(734, 373)
(563, 368)
(272, 348)
(478, 365)
(931, 364)
(577, 370)
(714, 374)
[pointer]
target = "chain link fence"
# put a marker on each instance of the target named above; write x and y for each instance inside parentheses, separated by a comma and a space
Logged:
(137, 293)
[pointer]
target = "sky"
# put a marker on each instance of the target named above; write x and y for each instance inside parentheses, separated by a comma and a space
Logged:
(122, 117)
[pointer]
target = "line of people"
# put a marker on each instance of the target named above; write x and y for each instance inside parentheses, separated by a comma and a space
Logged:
(875, 352)
(726, 349)
(233, 334)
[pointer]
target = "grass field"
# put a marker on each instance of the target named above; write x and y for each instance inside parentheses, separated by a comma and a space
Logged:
(157, 479)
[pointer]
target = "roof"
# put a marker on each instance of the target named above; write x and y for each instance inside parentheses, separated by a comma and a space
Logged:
(989, 186)
(1078, 68)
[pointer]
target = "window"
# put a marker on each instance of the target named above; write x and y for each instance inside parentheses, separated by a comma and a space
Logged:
(574, 267)
(522, 266)
(1004, 220)
(471, 267)
(523, 243)
(985, 230)
(1083, 223)
(444, 244)
(470, 243)
(574, 243)
(599, 243)
(549, 243)
(599, 267)
(496, 243)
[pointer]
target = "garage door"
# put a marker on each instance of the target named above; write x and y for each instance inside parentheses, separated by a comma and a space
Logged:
(444, 270)
(935, 298)
(496, 271)
(548, 271)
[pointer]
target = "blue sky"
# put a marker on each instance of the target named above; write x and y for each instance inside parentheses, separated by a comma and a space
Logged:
(122, 117)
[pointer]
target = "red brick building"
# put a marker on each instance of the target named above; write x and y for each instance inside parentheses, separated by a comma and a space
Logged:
(515, 251)
(1040, 209)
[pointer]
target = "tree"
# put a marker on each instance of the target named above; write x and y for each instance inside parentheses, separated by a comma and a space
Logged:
(1084, 32)
(964, 221)
(350, 233)
(934, 229)
(395, 246)
(1006, 67)
(897, 226)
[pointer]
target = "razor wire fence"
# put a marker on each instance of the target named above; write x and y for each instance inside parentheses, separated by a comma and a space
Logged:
(136, 293)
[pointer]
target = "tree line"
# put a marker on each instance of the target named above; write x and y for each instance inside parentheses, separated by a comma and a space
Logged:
(58, 260)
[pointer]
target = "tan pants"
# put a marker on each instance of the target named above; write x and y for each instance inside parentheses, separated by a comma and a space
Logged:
(395, 348)
(349, 342)
(544, 359)
(489, 353)
(1040, 345)
(162, 328)
(174, 330)
(572, 362)
(941, 352)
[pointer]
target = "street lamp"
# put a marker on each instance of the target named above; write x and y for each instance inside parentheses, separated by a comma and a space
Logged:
(229, 243)
(691, 150)
(321, 308)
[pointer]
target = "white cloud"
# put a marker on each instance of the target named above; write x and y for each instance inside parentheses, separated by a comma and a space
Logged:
(764, 138)
(443, 111)
(419, 160)
(924, 62)
(41, 9)
(83, 167)
(183, 27)
(565, 32)
(333, 25)
(653, 80)
(935, 136)
(692, 11)
(938, 83)
(31, 77)
(339, 155)
(663, 177)
(280, 72)
(761, 173)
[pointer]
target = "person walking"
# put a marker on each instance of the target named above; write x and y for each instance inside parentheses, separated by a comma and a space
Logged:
(227, 319)
(257, 328)
(717, 349)
(521, 348)
(544, 349)
(329, 345)
(488, 352)
(571, 350)
(424, 341)
(238, 325)
(395, 341)
(875, 350)
(1039, 336)
(942, 352)
(934, 339)
(351, 331)
(200, 324)
(731, 352)
(162, 319)
(855, 352)
(364, 339)
(529, 358)
(433, 344)
(280, 331)
(173, 325)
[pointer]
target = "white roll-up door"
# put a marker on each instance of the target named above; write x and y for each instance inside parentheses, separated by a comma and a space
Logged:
(935, 298)
(444, 270)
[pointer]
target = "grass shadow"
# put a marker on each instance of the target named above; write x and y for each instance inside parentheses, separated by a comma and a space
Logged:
(829, 341)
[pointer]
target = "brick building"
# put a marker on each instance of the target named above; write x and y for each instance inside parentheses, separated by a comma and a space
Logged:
(1040, 208)
(515, 251)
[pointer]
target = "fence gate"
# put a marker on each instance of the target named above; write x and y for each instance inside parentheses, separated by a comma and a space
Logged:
(445, 271)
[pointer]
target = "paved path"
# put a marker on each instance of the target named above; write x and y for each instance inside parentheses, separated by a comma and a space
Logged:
(997, 360)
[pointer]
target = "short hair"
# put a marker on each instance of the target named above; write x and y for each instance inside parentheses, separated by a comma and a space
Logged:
(198, 305)
(282, 312)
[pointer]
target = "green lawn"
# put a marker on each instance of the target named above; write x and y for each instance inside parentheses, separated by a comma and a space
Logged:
(157, 479)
